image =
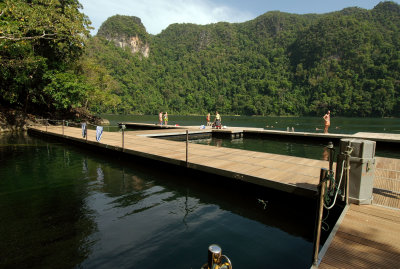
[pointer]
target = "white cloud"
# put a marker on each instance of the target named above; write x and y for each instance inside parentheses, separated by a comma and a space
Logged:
(156, 15)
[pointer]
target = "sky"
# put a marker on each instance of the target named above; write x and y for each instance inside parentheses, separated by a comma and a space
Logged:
(156, 15)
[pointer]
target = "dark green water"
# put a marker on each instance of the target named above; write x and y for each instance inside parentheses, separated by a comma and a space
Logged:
(66, 207)
(307, 149)
(339, 125)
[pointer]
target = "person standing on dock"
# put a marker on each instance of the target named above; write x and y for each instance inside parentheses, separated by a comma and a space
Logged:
(166, 118)
(208, 119)
(160, 118)
(217, 120)
(327, 119)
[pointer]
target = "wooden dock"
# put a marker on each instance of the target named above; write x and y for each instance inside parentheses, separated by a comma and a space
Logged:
(285, 173)
(380, 138)
(237, 132)
(368, 235)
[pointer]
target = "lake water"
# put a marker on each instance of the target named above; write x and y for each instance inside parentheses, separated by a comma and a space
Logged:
(306, 149)
(62, 206)
(339, 125)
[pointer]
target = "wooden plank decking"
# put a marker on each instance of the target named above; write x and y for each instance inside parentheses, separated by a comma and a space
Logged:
(286, 173)
(369, 235)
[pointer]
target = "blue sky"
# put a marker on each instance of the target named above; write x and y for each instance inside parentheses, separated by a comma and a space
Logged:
(156, 15)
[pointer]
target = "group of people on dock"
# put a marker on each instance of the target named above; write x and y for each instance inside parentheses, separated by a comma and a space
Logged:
(163, 119)
(217, 123)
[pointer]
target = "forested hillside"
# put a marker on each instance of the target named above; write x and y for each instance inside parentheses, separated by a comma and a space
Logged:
(277, 64)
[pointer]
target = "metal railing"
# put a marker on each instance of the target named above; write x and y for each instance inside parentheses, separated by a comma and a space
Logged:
(113, 128)
(328, 186)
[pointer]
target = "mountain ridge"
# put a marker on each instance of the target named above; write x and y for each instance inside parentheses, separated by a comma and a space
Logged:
(276, 64)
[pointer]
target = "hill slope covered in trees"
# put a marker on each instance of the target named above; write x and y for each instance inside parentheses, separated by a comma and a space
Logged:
(277, 64)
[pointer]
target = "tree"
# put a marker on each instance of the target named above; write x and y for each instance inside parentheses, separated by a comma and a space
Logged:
(37, 37)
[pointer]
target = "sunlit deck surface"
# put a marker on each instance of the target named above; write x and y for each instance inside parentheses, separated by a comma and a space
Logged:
(369, 235)
(285, 173)
(388, 138)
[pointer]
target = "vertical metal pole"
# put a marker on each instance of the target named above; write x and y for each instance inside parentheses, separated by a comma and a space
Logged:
(87, 131)
(320, 211)
(123, 138)
(347, 167)
(331, 153)
(187, 146)
(47, 123)
(63, 127)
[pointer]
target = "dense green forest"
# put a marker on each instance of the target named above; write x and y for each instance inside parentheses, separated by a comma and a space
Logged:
(277, 64)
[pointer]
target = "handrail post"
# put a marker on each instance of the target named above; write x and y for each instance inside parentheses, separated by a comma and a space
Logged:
(331, 154)
(187, 146)
(123, 138)
(63, 127)
(46, 123)
(347, 167)
(87, 130)
(320, 211)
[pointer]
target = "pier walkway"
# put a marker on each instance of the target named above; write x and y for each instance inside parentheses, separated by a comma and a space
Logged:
(285, 173)
(368, 235)
(380, 138)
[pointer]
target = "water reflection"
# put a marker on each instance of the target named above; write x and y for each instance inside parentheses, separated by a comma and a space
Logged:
(276, 146)
(44, 216)
(66, 205)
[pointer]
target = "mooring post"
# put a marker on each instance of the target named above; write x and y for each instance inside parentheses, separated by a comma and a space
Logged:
(320, 211)
(187, 146)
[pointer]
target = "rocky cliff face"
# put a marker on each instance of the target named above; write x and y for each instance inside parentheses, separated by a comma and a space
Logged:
(134, 43)
(126, 32)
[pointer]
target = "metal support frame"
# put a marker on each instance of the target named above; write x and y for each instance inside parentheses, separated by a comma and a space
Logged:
(320, 211)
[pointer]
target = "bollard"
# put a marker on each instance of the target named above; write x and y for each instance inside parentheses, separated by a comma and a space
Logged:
(214, 255)
(320, 211)
(215, 259)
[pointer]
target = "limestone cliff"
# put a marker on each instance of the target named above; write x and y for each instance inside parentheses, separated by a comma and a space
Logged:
(126, 32)
(134, 43)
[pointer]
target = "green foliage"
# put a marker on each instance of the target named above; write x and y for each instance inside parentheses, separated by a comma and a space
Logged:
(277, 64)
(118, 25)
(36, 38)
(66, 90)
